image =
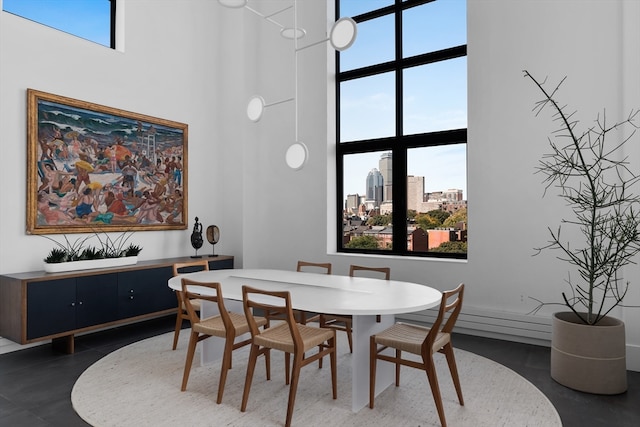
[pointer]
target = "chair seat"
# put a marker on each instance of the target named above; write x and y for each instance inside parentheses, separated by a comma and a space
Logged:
(407, 337)
(279, 337)
(214, 325)
(195, 303)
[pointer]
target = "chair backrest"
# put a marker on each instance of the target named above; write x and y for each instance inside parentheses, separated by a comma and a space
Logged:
(450, 306)
(305, 266)
(384, 270)
(190, 266)
(193, 290)
(276, 302)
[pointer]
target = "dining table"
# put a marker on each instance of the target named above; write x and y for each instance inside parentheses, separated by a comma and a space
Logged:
(372, 303)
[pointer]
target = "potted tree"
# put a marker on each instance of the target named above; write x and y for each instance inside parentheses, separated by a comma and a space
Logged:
(590, 171)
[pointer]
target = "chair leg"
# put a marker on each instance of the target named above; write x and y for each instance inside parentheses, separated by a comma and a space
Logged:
(287, 368)
(334, 367)
(453, 368)
(176, 334)
(193, 340)
(349, 337)
(373, 359)
(293, 388)
(226, 365)
(267, 363)
(320, 348)
(251, 366)
(321, 324)
(398, 365)
(435, 387)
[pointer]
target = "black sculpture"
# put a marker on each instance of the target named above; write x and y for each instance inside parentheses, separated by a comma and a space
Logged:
(196, 238)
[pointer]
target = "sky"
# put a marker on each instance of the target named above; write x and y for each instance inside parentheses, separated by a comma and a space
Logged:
(435, 96)
(88, 19)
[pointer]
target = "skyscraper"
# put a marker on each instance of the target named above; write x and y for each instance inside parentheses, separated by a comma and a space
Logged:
(386, 169)
(415, 193)
(375, 183)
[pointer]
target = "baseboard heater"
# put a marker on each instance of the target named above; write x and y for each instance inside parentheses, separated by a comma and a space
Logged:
(530, 329)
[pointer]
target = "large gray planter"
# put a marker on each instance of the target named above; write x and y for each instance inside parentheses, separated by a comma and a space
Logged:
(589, 358)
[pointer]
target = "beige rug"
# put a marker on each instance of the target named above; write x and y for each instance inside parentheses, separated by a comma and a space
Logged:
(139, 385)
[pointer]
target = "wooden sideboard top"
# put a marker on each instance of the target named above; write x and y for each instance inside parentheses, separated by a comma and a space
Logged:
(153, 263)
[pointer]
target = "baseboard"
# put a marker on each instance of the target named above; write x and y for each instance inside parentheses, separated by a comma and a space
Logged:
(633, 358)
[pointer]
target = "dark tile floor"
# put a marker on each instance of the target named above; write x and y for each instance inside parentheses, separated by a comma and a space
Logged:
(36, 383)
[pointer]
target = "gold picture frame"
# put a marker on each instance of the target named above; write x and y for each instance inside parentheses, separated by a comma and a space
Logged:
(92, 168)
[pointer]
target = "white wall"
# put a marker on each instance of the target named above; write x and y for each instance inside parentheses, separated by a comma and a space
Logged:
(595, 44)
(172, 67)
(205, 68)
(508, 216)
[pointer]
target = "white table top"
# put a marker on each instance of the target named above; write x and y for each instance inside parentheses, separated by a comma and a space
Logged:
(324, 293)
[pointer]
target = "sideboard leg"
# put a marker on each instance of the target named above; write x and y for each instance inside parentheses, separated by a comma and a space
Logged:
(65, 344)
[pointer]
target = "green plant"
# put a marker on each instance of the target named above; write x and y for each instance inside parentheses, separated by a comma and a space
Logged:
(78, 251)
(65, 252)
(363, 242)
(56, 255)
(114, 248)
(592, 174)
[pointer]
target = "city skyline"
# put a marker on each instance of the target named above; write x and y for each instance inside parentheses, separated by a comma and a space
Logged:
(442, 172)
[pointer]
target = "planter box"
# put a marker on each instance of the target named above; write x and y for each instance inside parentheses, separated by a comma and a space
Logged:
(89, 264)
(589, 358)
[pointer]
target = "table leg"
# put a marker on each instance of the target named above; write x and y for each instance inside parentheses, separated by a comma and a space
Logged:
(362, 328)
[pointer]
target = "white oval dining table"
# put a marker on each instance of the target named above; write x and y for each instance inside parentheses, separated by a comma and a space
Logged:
(362, 298)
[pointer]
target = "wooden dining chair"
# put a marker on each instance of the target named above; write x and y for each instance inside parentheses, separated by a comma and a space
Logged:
(181, 314)
(226, 324)
(311, 267)
(289, 337)
(422, 341)
(301, 316)
(343, 322)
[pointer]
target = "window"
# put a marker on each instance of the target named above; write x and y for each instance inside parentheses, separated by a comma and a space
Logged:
(402, 117)
(93, 20)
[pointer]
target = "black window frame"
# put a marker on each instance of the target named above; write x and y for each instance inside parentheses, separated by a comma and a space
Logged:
(112, 24)
(399, 144)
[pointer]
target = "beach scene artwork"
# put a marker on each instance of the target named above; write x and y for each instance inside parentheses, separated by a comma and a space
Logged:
(96, 168)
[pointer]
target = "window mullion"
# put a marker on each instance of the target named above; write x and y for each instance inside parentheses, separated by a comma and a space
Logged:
(399, 153)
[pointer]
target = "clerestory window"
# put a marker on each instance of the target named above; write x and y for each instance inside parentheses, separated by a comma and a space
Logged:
(92, 20)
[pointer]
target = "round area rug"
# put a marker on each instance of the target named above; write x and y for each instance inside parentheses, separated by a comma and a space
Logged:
(139, 385)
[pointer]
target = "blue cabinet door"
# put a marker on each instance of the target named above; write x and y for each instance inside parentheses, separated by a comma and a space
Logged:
(145, 291)
(51, 307)
(97, 299)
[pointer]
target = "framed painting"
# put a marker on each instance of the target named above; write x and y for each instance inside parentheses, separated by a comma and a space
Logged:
(93, 168)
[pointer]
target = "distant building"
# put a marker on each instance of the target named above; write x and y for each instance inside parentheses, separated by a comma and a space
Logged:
(415, 193)
(448, 201)
(352, 204)
(386, 169)
(417, 238)
(439, 236)
(452, 195)
(375, 183)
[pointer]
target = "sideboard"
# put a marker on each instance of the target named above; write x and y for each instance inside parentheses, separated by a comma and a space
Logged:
(37, 306)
